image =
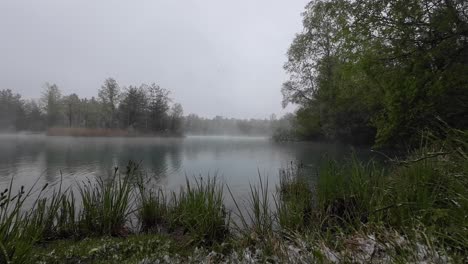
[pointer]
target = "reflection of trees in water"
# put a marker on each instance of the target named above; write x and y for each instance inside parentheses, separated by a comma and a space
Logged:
(76, 157)
(312, 154)
(72, 157)
(218, 148)
(16, 156)
(175, 157)
(236, 159)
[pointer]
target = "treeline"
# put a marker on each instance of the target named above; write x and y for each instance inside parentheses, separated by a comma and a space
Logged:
(138, 110)
(379, 72)
(230, 126)
(143, 109)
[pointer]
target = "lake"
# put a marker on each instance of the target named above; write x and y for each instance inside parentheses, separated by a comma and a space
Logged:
(237, 161)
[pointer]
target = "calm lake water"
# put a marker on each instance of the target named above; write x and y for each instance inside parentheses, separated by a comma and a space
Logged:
(235, 160)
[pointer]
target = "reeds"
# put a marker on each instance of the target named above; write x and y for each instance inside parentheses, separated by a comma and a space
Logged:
(104, 209)
(16, 236)
(422, 197)
(153, 211)
(199, 209)
(294, 201)
(106, 205)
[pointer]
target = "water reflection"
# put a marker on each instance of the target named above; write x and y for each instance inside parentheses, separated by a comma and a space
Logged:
(236, 160)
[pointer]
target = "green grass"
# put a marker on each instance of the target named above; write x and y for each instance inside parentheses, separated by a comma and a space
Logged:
(16, 235)
(421, 200)
(153, 209)
(132, 249)
(198, 209)
(427, 191)
(106, 206)
(295, 200)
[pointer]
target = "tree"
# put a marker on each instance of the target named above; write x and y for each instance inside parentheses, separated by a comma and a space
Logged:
(92, 109)
(419, 51)
(52, 105)
(143, 109)
(379, 71)
(11, 110)
(158, 105)
(133, 108)
(73, 110)
(176, 118)
(109, 95)
(312, 54)
(34, 118)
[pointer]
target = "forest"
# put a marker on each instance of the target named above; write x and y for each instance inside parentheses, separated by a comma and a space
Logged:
(379, 72)
(146, 108)
(138, 110)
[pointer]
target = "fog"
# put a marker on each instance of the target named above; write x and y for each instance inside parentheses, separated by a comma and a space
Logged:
(216, 57)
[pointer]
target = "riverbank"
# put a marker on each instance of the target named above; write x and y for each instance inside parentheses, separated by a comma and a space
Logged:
(415, 210)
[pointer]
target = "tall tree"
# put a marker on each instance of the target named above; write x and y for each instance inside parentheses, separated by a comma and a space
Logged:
(92, 117)
(379, 71)
(176, 118)
(158, 106)
(11, 110)
(109, 95)
(52, 104)
(73, 110)
(133, 108)
(34, 117)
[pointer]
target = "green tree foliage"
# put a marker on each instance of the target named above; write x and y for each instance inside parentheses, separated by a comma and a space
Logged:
(91, 116)
(52, 103)
(34, 119)
(109, 95)
(133, 108)
(158, 105)
(11, 110)
(72, 106)
(379, 71)
(193, 124)
(177, 119)
(17, 114)
(145, 109)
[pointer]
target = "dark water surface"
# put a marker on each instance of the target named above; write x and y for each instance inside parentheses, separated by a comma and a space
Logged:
(236, 160)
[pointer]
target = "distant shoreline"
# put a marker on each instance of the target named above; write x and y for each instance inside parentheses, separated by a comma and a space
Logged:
(103, 132)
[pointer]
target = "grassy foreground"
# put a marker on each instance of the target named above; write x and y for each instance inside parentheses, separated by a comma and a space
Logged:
(413, 211)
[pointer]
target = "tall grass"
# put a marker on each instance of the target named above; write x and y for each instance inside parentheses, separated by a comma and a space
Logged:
(256, 218)
(16, 236)
(424, 196)
(294, 201)
(154, 209)
(55, 216)
(348, 194)
(106, 205)
(199, 209)
(428, 190)
(104, 210)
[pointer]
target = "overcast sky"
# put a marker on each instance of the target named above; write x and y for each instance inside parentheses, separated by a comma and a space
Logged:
(218, 57)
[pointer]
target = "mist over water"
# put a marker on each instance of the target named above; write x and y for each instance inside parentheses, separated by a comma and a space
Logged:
(237, 161)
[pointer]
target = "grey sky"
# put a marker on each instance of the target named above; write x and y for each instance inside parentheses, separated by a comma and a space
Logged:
(218, 57)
